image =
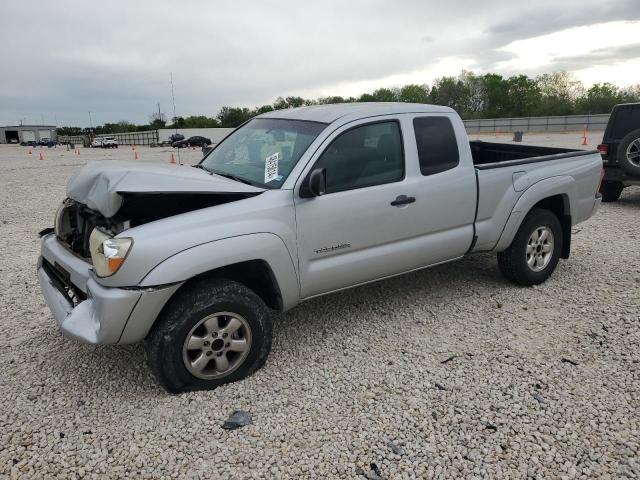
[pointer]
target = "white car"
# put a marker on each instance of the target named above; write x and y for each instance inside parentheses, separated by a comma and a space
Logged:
(109, 142)
(97, 142)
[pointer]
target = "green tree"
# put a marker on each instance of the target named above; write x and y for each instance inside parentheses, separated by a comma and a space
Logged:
(496, 91)
(414, 94)
(263, 109)
(200, 121)
(330, 100)
(450, 92)
(559, 92)
(231, 117)
(630, 94)
(366, 97)
(69, 131)
(474, 94)
(289, 102)
(600, 98)
(522, 97)
(385, 95)
(157, 120)
(177, 122)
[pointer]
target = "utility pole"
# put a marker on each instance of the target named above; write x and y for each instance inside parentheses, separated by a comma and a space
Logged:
(90, 122)
(173, 101)
(159, 113)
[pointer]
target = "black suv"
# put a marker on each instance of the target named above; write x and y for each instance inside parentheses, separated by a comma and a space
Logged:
(620, 149)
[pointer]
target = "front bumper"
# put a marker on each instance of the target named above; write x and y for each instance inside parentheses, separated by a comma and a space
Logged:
(90, 312)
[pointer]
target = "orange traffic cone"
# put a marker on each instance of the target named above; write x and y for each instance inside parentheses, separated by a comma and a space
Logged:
(584, 136)
(172, 161)
(136, 156)
(41, 156)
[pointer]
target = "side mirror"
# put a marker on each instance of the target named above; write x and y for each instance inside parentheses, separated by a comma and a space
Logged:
(315, 184)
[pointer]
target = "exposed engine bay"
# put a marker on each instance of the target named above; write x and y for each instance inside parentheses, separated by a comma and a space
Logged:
(75, 221)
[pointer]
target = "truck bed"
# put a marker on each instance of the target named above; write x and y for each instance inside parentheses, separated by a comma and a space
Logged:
(504, 172)
(491, 155)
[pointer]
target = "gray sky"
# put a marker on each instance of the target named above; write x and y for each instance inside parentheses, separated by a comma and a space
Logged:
(65, 58)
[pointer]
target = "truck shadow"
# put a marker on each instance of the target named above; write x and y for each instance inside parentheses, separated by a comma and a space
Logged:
(122, 370)
(630, 198)
(413, 295)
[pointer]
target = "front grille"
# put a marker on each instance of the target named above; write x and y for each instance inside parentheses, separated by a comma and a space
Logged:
(61, 279)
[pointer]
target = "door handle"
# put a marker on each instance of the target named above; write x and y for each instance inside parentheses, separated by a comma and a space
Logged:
(402, 200)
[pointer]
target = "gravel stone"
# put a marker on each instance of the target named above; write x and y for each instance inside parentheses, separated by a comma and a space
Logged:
(237, 419)
(347, 373)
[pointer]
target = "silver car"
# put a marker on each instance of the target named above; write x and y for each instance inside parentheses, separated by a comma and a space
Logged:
(292, 205)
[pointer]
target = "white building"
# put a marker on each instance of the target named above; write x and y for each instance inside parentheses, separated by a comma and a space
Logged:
(27, 133)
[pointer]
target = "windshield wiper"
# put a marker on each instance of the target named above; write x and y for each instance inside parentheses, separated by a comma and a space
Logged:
(231, 176)
(202, 167)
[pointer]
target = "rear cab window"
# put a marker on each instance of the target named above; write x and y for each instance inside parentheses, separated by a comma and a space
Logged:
(437, 144)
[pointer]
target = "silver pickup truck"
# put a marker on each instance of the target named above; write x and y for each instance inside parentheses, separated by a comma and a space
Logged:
(292, 205)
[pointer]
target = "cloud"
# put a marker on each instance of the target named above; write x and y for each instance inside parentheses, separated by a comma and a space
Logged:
(601, 56)
(534, 23)
(115, 61)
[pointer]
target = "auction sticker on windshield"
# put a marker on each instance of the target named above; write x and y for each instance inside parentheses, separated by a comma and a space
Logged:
(271, 167)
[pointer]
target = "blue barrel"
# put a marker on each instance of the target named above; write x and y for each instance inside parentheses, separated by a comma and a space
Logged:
(517, 136)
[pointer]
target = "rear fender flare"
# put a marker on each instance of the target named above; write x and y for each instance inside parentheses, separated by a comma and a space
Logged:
(550, 187)
(228, 251)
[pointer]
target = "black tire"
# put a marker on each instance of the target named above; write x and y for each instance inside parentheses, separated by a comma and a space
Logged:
(631, 166)
(195, 302)
(611, 191)
(513, 261)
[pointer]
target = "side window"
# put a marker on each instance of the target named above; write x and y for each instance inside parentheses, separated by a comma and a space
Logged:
(437, 144)
(364, 156)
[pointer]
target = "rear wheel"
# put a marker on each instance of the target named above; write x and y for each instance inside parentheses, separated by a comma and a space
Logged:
(214, 332)
(535, 250)
(611, 191)
(629, 153)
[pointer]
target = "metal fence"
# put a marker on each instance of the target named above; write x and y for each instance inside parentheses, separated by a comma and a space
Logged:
(134, 138)
(566, 123)
(75, 139)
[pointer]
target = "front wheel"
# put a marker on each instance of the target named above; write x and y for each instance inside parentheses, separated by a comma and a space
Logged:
(214, 332)
(535, 251)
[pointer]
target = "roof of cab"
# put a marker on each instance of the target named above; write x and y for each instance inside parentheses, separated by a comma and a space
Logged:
(332, 112)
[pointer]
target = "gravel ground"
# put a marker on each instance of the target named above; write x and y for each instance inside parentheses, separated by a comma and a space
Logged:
(448, 372)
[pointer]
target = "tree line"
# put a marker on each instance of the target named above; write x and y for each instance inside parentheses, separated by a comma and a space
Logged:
(471, 95)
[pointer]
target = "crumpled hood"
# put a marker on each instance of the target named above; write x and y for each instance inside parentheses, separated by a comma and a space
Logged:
(99, 184)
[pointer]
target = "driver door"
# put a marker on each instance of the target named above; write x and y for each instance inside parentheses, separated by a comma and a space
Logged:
(354, 232)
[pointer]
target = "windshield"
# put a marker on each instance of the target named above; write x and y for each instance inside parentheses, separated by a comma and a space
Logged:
(263, 151)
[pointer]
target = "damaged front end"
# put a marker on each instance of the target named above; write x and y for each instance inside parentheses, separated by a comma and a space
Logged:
(108, 198)
(75, 222)
(89, 242)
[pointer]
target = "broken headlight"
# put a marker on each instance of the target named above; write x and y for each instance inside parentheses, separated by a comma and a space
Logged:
(57, 221)
(107, 253)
